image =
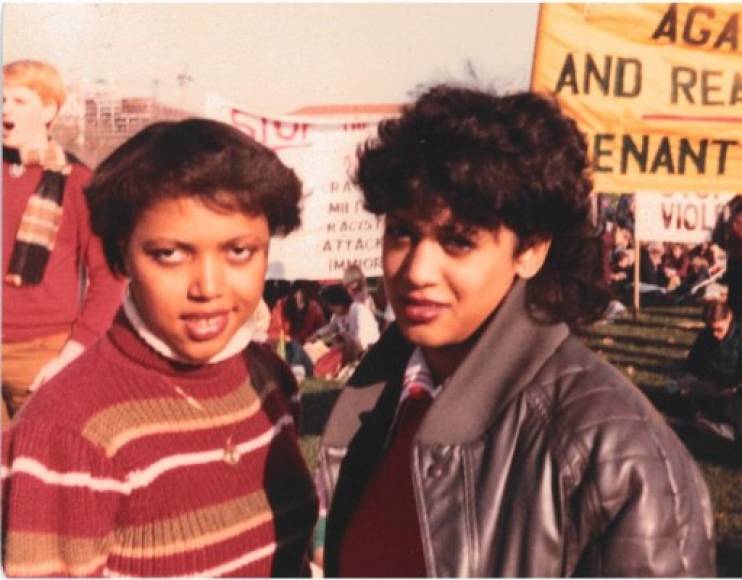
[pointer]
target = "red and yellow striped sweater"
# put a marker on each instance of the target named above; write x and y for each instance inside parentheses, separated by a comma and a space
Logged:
(127, 463)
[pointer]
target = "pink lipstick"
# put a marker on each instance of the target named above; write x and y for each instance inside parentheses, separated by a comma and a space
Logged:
(205, 326)
(420, 311)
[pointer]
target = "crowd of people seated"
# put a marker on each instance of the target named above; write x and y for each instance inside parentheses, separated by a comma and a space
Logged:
(671, 272)
(709, 391)
(323, 329)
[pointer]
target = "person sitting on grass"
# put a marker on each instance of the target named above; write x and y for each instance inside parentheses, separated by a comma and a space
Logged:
(653, 278)
(622, 275)
(676, 262)
(352, 327)
(356, 284)
(713, 383)
(733, 247)
(294, 319)
(715, 358)
(169, 447)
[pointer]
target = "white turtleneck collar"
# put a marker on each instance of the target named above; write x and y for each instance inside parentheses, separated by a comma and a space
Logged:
(237, 343)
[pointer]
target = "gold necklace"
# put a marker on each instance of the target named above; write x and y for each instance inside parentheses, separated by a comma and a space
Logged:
(231, 454)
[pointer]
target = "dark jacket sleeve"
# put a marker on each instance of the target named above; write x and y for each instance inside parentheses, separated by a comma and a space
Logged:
(695, 363)
(645, 501)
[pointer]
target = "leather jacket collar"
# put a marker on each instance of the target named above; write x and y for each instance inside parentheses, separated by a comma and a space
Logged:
(508, 354)
(501, 363)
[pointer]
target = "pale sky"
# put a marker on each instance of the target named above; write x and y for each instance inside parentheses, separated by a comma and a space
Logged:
(274, 58)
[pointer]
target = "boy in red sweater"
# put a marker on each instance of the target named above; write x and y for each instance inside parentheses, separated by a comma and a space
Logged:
(46, 238)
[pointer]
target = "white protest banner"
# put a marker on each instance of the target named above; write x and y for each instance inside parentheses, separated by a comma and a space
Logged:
(678, 217)
(336, 231)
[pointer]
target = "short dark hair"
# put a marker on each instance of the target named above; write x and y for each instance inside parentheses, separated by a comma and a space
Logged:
(715, 310)
(513, 160)
(200, 158)
(336, 295)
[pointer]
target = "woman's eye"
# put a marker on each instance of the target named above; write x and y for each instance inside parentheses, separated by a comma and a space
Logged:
(240, 253)
(396, 232)
(397, 236)
(458, 243)
(168, 255)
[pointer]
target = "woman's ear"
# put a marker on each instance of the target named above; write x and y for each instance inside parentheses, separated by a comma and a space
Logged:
(529, 262)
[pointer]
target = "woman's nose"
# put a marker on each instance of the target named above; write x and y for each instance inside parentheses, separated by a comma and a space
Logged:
(206, 280)
(421, 264)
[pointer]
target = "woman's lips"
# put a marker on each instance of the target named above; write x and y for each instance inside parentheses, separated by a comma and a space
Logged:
(202, 327)
(417, 311)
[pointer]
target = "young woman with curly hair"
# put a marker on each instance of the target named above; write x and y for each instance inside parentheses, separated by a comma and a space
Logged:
(480, 436)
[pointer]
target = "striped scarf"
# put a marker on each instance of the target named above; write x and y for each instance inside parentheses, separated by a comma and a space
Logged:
(40, 221)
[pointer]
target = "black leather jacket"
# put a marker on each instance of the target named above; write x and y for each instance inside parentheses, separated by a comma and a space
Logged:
(536, 459)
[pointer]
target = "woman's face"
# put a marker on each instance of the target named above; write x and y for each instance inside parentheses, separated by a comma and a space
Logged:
(197, 273)
(444, 279)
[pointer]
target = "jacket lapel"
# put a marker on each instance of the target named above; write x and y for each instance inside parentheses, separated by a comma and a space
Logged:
(360, 421)
(505, 359)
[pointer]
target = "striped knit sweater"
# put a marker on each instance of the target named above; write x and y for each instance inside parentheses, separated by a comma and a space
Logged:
(129, 464)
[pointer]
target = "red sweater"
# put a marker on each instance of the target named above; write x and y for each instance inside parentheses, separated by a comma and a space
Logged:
(313, 320)
(129, 464)
(54, 306)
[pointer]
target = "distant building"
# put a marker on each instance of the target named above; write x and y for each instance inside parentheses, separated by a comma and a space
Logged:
(94, 121)
(109, 116)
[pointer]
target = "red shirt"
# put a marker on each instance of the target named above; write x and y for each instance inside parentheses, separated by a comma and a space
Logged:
(55, 305)
(313, 320)
(383, 534)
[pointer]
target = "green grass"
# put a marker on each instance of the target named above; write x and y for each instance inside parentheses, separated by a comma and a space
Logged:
(309, 445)
(318, 385)
(648, 349)
(318, 397)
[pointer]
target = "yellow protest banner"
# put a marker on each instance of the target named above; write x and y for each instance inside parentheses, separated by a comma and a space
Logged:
(656, 87)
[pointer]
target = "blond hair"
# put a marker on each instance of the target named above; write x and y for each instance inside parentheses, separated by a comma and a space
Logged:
(40, 77)
(354, 278)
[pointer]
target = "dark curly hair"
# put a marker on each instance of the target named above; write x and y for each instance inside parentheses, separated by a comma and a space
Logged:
(199, 158)
(514, 160)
